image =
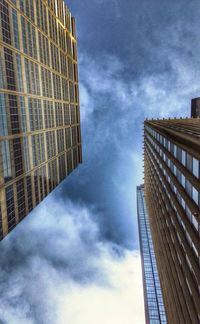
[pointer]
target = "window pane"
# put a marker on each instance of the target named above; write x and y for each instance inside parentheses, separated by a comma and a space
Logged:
(195, 167)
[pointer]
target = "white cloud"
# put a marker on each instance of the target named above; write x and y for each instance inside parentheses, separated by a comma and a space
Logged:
(87, 106)
(64, 272)
(120, 303)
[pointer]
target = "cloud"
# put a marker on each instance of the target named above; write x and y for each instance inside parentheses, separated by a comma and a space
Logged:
(121, 303)
(114, 107)
(87, 105)
(59, 270)
(161, 94)
(72, 261)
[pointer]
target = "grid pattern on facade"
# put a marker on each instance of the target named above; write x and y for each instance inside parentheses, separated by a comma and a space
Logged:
(40, 140)
(172, 190)
(154, 306)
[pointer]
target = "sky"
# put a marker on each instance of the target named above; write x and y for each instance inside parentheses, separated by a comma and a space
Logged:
(75, 259)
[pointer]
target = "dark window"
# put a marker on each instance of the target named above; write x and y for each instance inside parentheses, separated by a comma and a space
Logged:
(14, 116)
(36, 187)
(5, 22)
(62, 167)
(21, 199)
(18, 159)
(69, 161)
(10, 207)
(189, 162)
(68, 137)
(10, 75)
(75, 157)
(29, 193)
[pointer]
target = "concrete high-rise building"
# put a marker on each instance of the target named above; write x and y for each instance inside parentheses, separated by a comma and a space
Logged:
(40, 141)
(172, 194)
(153, 300)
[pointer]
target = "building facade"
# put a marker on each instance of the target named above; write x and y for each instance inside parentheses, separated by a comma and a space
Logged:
(153, 300)
(195, 108)
(172, 192)
(40, 141)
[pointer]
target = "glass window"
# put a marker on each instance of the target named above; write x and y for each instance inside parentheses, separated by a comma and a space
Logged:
(183, 158)
(71, 92)
(172, 166)
(24, 38)
(10, 74)
(69, 161)
(35, 114)
(75, 157)
(74, 119)
(70, 73)
(21, 199)
(179, 154)
(15, 28)
(59, 114)
(23, 114)
(26, 154)
(183, 180)
(179, 175)
(195, 195)
(68, 137)
(65, 89)
(66, 114)
(74, 136)
(10, 207)
(51, 145)
(32, 77)
(195, 167)
(34, 43)
(31, 10)
(172, 148)
(18, 158)
(6, 156)
(5, 22)
(3, 116)
(175, 150)
(30, 41)
(14, 115)
(28, 82)
(188, 188)
(189, 162)
(1, 73)
(22, 5)
(19, 73)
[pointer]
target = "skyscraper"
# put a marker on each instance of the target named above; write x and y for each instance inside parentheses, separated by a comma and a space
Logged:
(153, 300)
(172, 193)
(40, 140)
(195, 108)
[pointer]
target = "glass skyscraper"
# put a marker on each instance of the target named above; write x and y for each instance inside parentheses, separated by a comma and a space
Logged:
(40, 140)
(154, 307)
(172, 195)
